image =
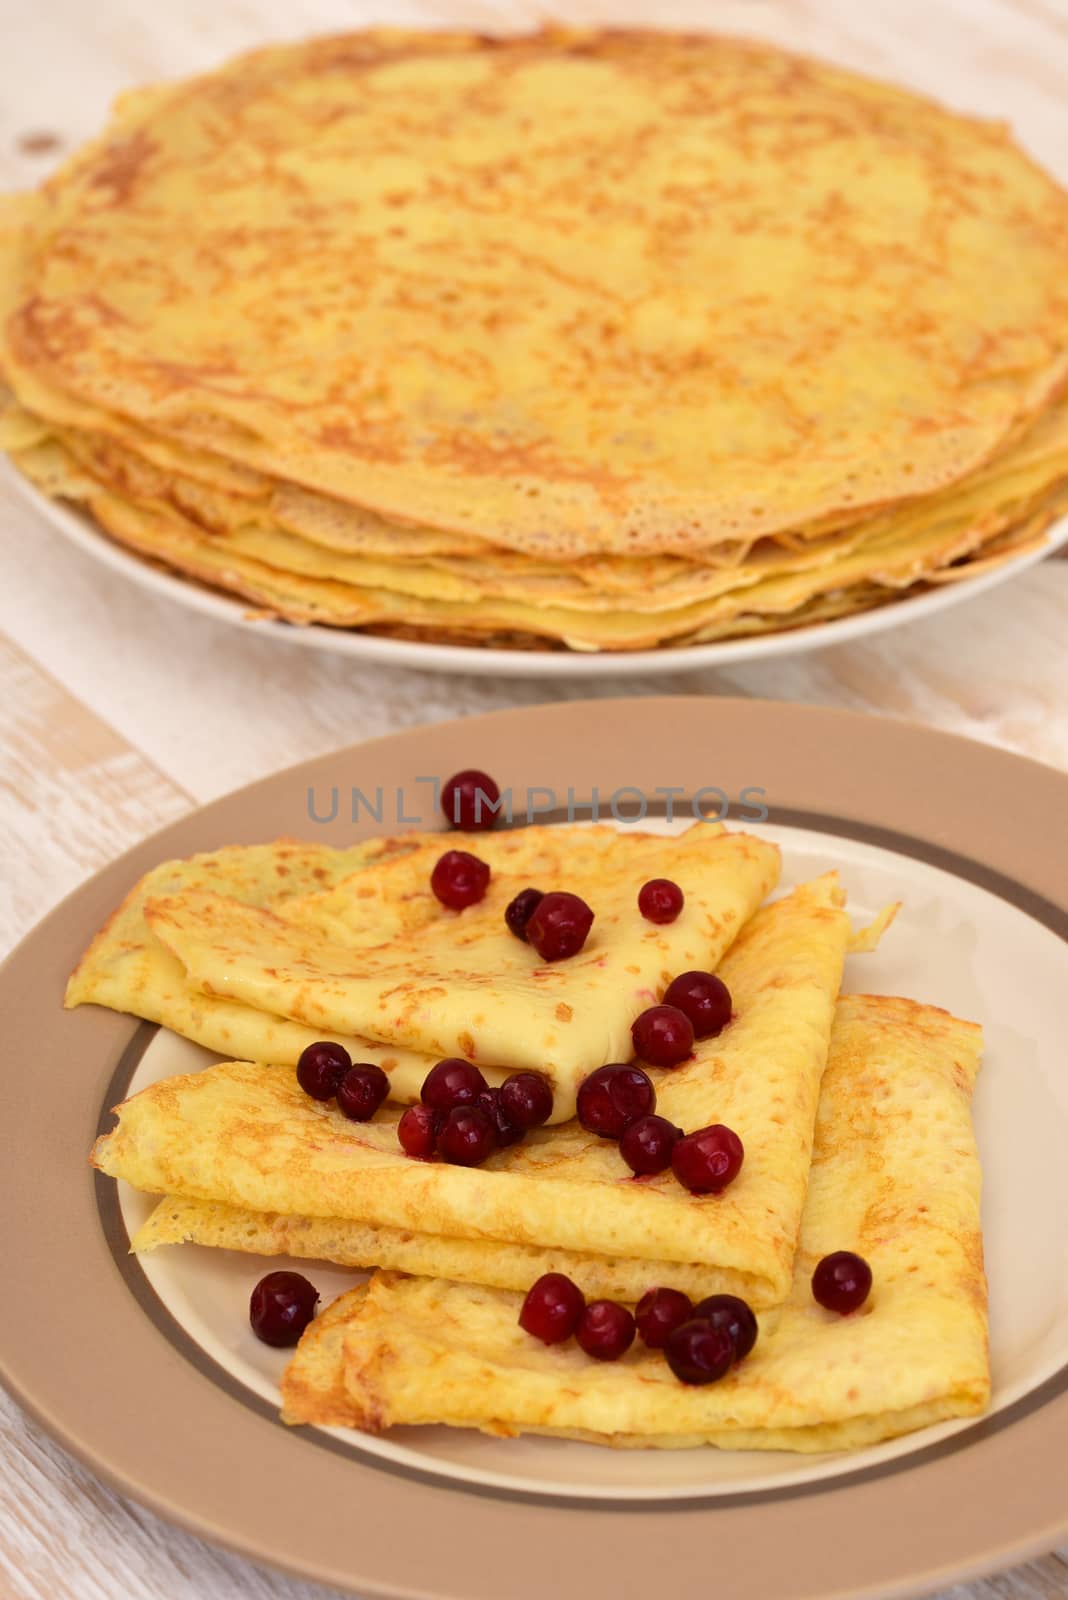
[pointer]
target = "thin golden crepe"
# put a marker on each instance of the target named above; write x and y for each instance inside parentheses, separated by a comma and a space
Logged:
(505, 287)
(900, 1189)
(247, 1137)
(363, 897)
(461, 983)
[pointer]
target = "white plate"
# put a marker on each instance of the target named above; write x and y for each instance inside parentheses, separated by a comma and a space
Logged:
(80, 529)
(178, 1407)
(981, 958)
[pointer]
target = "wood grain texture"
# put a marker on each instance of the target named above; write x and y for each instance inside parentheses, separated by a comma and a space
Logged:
(73, 794)
(65, 1536)
(117, 711)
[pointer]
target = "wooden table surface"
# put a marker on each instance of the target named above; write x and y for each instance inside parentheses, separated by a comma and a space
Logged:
(119, 712)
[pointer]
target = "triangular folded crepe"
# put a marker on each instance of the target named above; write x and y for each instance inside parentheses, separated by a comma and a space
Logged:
(247, 1136)
(461, 983)
(895, 1176)
(358, 897)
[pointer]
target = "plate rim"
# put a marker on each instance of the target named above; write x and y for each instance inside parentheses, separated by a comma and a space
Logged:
(79, 529)
(876, 745)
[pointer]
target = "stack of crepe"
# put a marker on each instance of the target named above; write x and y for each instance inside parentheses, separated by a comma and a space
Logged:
(586, 339)
(854, 1112)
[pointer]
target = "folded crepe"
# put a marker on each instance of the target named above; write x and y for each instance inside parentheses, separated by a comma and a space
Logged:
(358, 898)
(127, 969)
(895, 1176)
(246, 1137)
(459, 983)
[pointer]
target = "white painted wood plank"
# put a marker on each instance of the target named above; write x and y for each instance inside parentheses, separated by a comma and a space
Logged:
(65, 1536)
(1038, 1580)
(73, 795)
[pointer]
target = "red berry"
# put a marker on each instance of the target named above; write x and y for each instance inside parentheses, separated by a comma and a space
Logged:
(519, 911)
(321, 1068)
(706, 1161)
(467, 1136)
(459, 880)
(558, 926)
(659, 1313)
(660, 900)
(663, 1036)
(467, 799)
(281, 1306)
(613, 1097)
(702, 997)
(647, 1143)
(452, 1082)
(552, 1308)
(417, 1132)
(842, 1282)
(526, 1099)
(605, 1330)
(361, 1091)
(728, 1311)
(506, 1131)
(699, 1352)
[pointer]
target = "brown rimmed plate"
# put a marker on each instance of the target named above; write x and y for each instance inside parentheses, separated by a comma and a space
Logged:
(150, 1376)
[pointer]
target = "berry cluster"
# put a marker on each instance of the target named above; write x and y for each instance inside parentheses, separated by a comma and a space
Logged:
(700, 1343)
(618, 1102)
(462, 1120)
(326, 1072)
(556, 925)
(555, 1308)
(459, 1117)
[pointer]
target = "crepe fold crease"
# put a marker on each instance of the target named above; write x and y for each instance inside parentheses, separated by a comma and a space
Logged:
(900, 1189)
(496, 372)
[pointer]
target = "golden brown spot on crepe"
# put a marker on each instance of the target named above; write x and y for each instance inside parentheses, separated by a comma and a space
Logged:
(121, 166)
(563, 1012)
(368, 443)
